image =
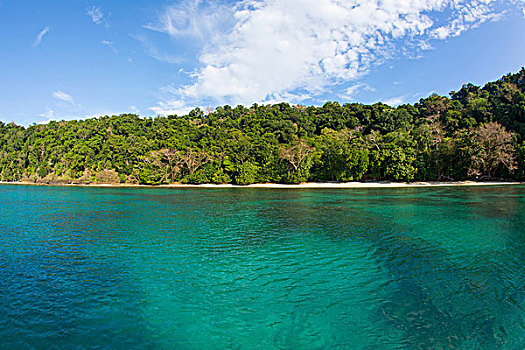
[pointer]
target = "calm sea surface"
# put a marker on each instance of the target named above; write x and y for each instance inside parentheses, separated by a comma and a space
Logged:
(262, 268)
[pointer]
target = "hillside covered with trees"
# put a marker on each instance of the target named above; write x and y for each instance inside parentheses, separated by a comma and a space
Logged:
(477, 133)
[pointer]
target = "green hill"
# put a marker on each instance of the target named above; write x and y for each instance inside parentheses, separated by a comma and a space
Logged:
(476, 133)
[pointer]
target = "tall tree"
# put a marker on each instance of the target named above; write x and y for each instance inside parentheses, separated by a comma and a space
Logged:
(493, 147)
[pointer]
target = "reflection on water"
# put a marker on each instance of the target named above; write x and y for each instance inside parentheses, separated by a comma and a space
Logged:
(261, 268)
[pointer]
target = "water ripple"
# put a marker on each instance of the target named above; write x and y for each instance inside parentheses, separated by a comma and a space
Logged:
(261, 269)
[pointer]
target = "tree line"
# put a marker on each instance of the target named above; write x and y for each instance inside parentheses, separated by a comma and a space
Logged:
(476, 133)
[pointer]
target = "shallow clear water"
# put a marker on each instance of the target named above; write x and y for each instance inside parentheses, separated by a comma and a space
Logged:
(262, 268)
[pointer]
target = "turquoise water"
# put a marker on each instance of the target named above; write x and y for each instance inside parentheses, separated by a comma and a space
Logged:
(262, 268)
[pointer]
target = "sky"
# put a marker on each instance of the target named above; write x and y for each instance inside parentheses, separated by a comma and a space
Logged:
(64, 59)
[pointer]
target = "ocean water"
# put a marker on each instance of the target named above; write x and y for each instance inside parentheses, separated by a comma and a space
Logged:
(136, 268)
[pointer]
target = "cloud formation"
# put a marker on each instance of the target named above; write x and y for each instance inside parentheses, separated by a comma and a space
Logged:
(194, 19)
(111, 45)
(134, 109)
(62, 96)
(97, 16)
(49, 114)
(296, 49)
(395, 101)
(151, 50)
(40, 36)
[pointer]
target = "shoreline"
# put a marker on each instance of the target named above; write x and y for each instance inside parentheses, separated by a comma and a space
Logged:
(307, 185)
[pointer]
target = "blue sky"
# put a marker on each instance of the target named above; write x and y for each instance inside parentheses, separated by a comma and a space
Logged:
(75, 59)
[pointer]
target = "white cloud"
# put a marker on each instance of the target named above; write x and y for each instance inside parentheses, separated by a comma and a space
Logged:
(395, 101)
(171, 107)
(193, 19)
(110, 44)
(134, 109)
(97, 16)
(469, 16)
(351, 91)
(49, 114)
(62, 113)
(288, 49)
(40, 36)
(152, 51)
(62, 96)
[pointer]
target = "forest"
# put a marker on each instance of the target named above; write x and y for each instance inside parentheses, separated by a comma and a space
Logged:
(476, 133)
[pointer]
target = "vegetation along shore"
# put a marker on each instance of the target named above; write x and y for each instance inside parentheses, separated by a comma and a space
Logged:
(477, 133)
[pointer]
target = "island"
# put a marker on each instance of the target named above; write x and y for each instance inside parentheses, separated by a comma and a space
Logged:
(475, 134)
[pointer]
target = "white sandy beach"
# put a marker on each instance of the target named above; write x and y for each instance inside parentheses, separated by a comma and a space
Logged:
(379, 184)
(354, 185)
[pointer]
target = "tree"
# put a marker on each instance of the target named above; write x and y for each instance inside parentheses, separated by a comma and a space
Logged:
(151, 170)
(246, 173)
(194, 159)
(298, 158)
(399, 164)
(493, 147)
(432, 136)
(343, 157)
(295, 155)
(174, 158)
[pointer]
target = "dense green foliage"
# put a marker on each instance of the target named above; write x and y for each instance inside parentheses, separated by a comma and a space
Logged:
(477, 133)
